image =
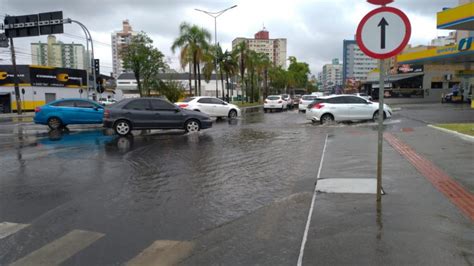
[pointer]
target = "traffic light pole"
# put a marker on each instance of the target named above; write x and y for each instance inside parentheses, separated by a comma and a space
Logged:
(15, 79)
(91, 60)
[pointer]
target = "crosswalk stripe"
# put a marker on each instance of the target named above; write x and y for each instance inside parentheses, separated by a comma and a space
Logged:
(7, 228)
(163, 252)
(60, 249)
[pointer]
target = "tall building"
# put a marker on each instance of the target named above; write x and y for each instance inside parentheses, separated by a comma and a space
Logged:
(120, 40)
(58, 54)
(356, 65)
(275, 49)
(331, 76)
(444, 40)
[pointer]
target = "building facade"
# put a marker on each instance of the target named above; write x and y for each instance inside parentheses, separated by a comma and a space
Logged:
(275, 49)
(58, 54)
(444, 40)
(356, 65)
(331, 76)
(120, 40)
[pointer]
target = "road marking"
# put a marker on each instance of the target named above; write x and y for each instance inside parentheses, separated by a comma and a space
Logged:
(455, 192)
(7, 228)
(163, 252)
(348, 185)
(308, 221)
(61, 249)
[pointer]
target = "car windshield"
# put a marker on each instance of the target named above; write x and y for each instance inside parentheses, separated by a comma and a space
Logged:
(273, 98)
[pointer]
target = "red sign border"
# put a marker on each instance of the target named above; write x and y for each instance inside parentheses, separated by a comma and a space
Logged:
(400, 48)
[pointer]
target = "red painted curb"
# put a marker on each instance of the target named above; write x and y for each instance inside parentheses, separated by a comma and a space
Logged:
(455, 192)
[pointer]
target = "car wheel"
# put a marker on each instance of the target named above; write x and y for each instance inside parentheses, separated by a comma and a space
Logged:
(232, 114)
(327, 119)
(265, 110)
(192, 126)
(376, 116)
(122, 127)
(54, 123)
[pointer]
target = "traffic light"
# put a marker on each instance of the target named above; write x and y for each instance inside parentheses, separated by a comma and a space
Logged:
(97, 67)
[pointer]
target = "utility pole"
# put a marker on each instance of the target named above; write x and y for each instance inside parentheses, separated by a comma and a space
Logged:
(15, 79)
(380, 129)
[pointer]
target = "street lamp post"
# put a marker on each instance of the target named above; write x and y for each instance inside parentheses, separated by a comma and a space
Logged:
(215, 15)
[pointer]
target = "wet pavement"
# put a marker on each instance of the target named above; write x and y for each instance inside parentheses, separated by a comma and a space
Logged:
(235, 194)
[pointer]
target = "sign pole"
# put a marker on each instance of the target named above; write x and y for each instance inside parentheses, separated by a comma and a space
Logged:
(15, 79)
(380, 129)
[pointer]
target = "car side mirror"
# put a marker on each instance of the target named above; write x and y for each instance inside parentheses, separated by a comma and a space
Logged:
(369, 102)
(224, 103)
(177, 110)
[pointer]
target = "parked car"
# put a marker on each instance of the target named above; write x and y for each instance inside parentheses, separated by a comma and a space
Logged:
(210, 105)
(152, 113)
(289, 101)
(305, 101)
(364, 95)
(107, 101)
(61, 113)
(344, 108)
(275, 102)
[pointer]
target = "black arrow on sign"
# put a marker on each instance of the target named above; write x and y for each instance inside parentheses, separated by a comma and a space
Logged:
(383, 23)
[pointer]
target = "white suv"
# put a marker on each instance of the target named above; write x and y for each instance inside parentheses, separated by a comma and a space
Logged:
(275, 102)
(210, 105)
(344, 108)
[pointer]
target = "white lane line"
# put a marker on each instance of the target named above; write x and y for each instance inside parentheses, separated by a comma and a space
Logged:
(308, 222)
(163, 252)
(7, 228)
(60, 249)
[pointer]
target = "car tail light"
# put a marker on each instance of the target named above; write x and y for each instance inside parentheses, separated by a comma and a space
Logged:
(318, 106)
(183, 105)
(280, 101)
(37, 109)
(106, 113)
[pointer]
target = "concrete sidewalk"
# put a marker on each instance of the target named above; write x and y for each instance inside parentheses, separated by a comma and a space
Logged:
(15, 115)
(415, 224)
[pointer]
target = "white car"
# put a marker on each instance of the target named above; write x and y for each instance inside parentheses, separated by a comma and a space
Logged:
(364, 95)
(305, 101)
(275, 102)
(289, 101)
(344, 108)
(107, 101)
(210, 105)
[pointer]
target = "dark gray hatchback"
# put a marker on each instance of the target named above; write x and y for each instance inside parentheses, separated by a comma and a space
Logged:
(152, 113)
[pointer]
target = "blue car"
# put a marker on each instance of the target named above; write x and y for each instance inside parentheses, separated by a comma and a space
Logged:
(65, 112)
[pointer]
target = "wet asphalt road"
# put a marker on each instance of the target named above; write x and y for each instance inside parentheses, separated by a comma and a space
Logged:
(239, 193)
(156, 186)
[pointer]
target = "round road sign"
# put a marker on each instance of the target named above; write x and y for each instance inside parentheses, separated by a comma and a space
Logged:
(384, 32)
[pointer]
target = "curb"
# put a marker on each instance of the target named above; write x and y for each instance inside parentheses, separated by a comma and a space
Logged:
(17, 116)
(251, 109)
(452, 132)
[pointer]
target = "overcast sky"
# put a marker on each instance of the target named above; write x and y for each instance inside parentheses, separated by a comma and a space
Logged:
(314, 29)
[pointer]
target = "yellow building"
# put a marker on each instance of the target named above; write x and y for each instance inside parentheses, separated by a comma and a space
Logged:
(452, 63)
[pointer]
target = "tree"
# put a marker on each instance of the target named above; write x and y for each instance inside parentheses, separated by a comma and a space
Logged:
(192, 41)
(242, 52)
(298, 73)
(144, 60)
(230, 68)
(173, 90)
(263, 65)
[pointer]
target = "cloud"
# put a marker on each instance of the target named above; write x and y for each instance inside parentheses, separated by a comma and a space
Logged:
(314, 29)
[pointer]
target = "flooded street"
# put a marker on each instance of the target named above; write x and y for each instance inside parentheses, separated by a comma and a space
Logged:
(153, 185)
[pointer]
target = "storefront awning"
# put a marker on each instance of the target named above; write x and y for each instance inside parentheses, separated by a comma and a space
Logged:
(394, 78)
(458, 18)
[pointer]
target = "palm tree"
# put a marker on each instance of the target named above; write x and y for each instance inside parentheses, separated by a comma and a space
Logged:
(242, 52)
(213, 60)
(264, 64)
(193, 40)
(230, 68)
